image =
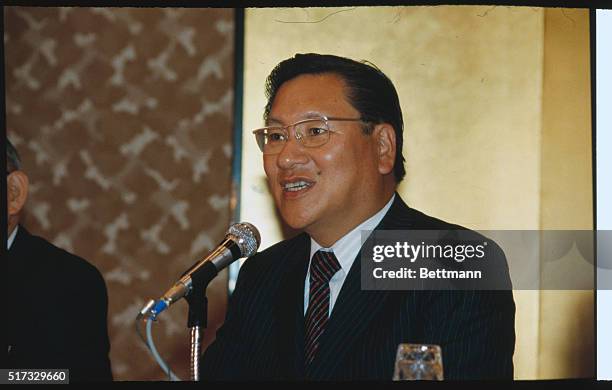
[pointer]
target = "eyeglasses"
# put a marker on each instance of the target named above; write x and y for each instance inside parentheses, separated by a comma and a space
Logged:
(310, 133)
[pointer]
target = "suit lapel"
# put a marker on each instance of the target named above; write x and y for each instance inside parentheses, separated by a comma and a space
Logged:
(19, 260)
(289, 309)
(355, 308)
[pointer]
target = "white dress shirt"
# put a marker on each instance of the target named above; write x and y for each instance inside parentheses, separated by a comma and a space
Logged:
(11, 238)
(345, 249)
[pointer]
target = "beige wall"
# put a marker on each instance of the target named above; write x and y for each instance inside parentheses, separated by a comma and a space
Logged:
(484, 144)
(566, 346)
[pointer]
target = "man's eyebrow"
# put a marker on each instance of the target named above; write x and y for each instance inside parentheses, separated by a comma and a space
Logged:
(313, 115)
(306, 115)
(272, 120)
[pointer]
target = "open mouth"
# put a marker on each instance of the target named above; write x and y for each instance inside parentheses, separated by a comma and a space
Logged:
(296, 186)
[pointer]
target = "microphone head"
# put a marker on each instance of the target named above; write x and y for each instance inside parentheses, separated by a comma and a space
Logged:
(246, 237)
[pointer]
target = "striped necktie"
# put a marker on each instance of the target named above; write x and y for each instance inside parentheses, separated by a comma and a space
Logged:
(323, 267)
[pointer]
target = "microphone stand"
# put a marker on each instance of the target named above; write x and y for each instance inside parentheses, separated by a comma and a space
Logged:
(242, 240)
(197, 322)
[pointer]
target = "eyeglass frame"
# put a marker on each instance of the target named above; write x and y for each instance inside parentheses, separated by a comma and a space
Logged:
(299, 136)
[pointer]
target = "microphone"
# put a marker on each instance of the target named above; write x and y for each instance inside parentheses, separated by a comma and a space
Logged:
(241, 240)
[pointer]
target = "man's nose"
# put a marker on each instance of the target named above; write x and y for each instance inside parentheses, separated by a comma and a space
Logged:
(291, 154)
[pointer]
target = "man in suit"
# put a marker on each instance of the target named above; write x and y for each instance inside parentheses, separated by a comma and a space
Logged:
(57, 302)
(332, 152)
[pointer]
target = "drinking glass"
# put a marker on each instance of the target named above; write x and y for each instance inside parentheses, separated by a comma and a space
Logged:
(418, 362)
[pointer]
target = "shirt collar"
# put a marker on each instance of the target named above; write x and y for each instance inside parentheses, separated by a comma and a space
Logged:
(347, 247)
(11, 238)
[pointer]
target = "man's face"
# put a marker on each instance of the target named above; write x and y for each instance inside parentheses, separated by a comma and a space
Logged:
(341, 175)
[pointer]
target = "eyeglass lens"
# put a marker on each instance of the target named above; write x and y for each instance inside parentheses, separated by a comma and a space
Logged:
(311, 133)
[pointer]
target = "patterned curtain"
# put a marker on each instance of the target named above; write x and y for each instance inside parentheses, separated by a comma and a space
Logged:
(123, 118)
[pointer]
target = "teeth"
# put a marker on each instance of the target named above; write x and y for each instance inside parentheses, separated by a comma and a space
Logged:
(296, 186)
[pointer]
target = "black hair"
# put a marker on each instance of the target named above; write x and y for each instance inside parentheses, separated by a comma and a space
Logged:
(13, 162)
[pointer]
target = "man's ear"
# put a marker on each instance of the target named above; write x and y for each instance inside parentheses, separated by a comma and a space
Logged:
(384, 134)
(17, 184)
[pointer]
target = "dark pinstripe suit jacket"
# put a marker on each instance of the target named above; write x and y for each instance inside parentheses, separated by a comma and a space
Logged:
(263, 334)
